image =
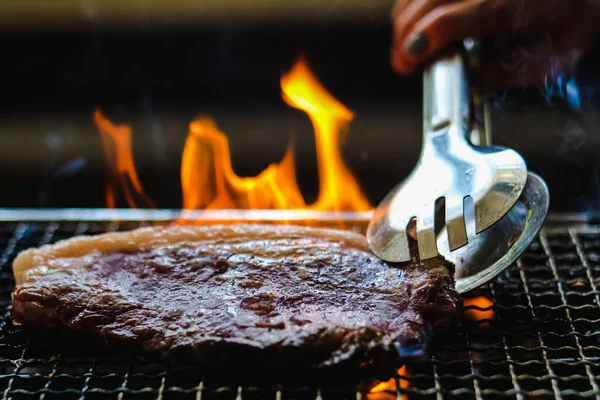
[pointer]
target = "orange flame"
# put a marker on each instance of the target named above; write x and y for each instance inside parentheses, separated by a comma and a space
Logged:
(483, 310)
(209, 182)
(388, 390)
(338, 189)
(116, 141)
(207, 177)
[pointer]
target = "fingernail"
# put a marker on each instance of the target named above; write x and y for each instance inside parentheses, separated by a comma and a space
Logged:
(417, 44)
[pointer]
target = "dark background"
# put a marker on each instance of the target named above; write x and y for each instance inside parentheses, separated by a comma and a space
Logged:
(158, 78)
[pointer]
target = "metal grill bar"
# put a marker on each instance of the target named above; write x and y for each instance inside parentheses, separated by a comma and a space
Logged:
(546, 359)
(561, 289)
(137, 215)
(535, 335)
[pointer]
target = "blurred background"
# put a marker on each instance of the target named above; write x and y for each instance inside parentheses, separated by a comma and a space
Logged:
(156, 65)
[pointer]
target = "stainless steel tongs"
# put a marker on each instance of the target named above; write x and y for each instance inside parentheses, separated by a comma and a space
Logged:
(451, 168)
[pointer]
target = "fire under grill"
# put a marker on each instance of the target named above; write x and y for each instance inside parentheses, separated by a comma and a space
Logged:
(531, 333)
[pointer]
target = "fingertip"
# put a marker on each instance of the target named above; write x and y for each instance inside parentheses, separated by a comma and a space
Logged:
(400, 64)
(416, 46)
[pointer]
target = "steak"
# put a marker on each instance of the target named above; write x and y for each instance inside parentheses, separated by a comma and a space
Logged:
(237, 293)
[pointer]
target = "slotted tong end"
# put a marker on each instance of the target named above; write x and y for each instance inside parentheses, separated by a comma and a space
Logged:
(451, 171)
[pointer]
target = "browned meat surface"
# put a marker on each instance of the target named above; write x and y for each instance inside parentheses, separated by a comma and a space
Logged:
(237, 293)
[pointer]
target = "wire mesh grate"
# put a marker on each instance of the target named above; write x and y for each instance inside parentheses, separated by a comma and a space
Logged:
(534, 332)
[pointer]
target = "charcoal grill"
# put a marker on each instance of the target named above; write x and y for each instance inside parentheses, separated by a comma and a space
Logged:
(536, 336)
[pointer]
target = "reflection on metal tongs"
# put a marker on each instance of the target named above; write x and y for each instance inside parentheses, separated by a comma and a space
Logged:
(459, 163)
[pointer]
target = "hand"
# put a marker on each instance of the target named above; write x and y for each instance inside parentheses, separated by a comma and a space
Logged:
(535, 40)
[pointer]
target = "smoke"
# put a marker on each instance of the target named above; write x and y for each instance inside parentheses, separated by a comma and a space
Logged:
(69, 168)
(573, 136)
(496, 102)
(581, 96)
(580, 87)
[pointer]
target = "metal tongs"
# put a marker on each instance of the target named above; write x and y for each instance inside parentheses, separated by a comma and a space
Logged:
(458, 162)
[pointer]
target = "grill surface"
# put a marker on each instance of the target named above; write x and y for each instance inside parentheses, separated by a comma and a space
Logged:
(534, 332)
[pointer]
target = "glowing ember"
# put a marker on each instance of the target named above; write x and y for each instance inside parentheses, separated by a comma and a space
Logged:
(207, 177)
(478, 308)
(116, 141)
(388, 390)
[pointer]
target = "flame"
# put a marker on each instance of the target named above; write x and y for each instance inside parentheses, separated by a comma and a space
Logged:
(388, 390)
(338, 189)
(483, 311)
(116, 141)
(208, 180)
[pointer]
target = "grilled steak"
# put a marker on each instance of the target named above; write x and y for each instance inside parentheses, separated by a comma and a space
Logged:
(239, 292)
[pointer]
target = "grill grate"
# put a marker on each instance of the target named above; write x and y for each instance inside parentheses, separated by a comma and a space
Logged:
(534, 332)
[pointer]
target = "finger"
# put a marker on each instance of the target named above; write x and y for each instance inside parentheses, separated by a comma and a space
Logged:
(399, 7)
(456, 21)
(400, 64)
(411, 14)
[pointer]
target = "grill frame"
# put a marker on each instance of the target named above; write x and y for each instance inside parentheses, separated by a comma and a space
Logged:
(541, 342)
